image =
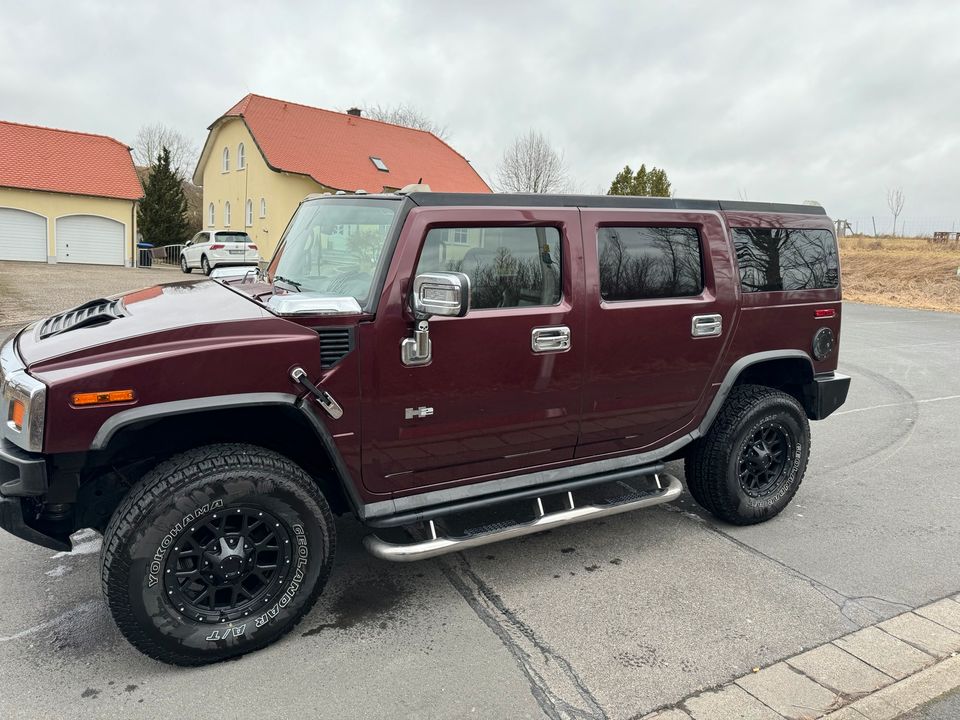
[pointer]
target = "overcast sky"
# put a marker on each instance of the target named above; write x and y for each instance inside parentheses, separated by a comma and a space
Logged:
(827, 101)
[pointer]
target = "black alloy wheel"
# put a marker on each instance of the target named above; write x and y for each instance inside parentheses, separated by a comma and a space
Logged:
(763, 460)
(227, 565)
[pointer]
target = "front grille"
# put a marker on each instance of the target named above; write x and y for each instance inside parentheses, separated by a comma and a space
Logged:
(335, 343)
(95, 312)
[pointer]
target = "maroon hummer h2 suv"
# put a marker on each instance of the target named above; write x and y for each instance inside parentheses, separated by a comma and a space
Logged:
(450, 369)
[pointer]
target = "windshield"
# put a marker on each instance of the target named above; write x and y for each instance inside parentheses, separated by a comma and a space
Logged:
(332, 247)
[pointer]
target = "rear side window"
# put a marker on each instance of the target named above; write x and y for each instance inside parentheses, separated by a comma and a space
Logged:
(637, 263)
(507, 266)
(773, 259)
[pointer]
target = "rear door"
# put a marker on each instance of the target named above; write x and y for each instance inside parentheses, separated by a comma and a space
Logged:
(490, 403)
(661, 302)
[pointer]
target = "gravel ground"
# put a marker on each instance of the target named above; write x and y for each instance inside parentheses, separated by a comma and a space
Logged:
(33, 290)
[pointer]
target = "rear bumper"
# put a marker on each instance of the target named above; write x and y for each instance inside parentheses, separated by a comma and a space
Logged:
(825, 394)
(23, 475)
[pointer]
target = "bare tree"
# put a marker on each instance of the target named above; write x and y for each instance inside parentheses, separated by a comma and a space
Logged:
(531, 164)
(405, 115)
(895, 200)
(151, 139)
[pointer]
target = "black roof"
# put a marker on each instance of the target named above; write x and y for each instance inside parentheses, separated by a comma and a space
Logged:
(605, 201)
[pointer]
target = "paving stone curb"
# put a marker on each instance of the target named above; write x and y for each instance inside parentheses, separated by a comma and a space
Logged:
(877, 673)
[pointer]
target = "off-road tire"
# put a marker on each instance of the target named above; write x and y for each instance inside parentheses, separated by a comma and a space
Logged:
(711, 468)
(142, 535)
(205, 265)
(183, 265)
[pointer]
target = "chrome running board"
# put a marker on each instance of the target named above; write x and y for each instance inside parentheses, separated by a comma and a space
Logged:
(668, 488)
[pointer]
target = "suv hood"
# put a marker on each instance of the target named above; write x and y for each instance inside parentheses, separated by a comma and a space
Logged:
(115, 323)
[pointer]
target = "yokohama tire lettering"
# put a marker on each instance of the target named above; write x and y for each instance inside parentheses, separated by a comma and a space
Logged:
(156, 562)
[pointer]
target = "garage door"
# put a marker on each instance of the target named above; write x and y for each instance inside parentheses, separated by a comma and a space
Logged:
(89, 239)
(23, 235)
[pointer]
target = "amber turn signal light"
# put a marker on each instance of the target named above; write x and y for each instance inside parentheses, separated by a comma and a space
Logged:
(16, 414)
(102, 398)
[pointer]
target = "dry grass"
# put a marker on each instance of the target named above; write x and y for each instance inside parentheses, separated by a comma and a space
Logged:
(906, 272)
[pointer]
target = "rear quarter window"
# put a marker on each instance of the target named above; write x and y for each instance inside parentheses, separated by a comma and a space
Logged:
(776, 259)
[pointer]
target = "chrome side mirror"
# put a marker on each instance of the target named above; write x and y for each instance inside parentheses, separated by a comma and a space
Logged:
(442, 293)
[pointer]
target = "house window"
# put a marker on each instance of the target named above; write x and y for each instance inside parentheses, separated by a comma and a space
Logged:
(225, 164)
(379, 164)
(226, 214)
(241, 157)
(263, 207)
(211, 215)
(249, 213)
(459, 236)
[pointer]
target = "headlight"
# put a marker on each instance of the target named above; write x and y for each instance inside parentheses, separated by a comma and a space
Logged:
(23, 401)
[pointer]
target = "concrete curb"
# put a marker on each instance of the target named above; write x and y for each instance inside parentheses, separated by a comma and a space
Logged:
(877, 673)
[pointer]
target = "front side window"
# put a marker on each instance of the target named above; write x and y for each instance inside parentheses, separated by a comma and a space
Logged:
(507, 266)
(775, 259)
(226, 214)
(249, 213)
(638, 263)
(333, 248)
(241, 157)
(211, 214)
(225, 162)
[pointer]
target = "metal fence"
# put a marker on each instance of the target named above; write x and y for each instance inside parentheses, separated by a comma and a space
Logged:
(166, 256)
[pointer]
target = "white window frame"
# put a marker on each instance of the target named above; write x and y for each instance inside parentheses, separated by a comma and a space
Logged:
(460, 236)
(211, 215)
(225, 161)
(249, 213)
(226, 214)
(241, 157)
(263, 207)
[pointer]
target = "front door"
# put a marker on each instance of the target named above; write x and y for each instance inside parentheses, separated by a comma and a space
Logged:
(661, 305)
(489, 403)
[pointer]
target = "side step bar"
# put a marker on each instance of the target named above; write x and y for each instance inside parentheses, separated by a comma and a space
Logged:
(436, 545)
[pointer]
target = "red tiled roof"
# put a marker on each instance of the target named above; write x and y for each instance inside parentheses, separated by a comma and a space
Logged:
(63, 161)
(335, 148)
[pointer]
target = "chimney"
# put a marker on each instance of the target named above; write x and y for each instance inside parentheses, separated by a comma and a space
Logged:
(355, 111)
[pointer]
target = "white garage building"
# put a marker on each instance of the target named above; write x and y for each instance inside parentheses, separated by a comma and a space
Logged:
(66, 197)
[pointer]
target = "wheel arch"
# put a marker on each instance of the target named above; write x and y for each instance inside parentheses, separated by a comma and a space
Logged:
(787, 370)
(151, 434)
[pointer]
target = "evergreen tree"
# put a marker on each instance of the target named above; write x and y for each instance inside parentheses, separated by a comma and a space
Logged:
(650, 183)
(161, 215)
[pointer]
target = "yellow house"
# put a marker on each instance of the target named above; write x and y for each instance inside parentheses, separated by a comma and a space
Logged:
(263, 156)
(66, 197)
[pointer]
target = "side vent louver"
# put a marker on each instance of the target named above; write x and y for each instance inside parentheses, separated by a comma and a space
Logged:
(335, 343)
(95, 312)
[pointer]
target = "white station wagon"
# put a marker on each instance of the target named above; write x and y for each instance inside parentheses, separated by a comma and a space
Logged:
(211, 249)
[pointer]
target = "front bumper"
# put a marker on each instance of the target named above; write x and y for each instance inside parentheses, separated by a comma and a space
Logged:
(23, 476)
(825, 394)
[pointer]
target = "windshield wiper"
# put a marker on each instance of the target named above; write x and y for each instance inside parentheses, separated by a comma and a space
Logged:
(292, 283)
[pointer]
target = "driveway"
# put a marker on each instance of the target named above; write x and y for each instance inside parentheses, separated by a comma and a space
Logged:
(32, 290)
(608, 619)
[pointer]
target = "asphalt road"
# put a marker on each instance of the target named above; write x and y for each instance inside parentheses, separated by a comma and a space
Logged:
(602, 620)
(943, 708)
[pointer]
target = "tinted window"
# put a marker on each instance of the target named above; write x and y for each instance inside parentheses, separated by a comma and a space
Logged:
(649, 262)
(233, 237)
(507, 266)
(773, 259)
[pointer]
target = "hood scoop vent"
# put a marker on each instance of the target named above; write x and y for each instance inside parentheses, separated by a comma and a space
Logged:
(335, 344)
(95, 312)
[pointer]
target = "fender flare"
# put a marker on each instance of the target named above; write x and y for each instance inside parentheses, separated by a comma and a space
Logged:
(734, 373)
(126, 418)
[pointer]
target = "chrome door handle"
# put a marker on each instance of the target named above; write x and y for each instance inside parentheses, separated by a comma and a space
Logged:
(706, 325)
(550, 339)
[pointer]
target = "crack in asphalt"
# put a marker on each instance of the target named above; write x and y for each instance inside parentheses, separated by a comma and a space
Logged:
(559, 691)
